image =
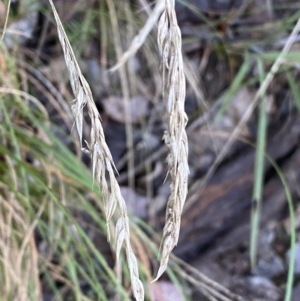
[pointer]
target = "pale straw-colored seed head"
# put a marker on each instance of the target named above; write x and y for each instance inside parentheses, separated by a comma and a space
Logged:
(169, 43)
(101, 157)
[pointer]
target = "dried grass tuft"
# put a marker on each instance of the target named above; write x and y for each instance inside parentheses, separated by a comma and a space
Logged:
(19, 276)
(169, 43)
(101, 156)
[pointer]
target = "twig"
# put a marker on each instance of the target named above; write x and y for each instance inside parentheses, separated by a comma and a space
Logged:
(139, 40)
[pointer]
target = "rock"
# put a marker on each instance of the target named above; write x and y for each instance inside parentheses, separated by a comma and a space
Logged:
(270, 266)
(136, 203)
(257, 289)
(21, 31)
(95, 76)
(114, 108)
(296, 293)
(264, 288)
(297, 258)
(165, 291)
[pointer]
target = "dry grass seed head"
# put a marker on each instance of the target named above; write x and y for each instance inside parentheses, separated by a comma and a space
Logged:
(169, 43)
(101, 156)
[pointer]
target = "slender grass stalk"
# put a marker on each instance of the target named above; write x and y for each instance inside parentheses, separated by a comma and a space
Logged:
(291, 269)
(6, 20)
(258, 172)
(294, 89)
(235, 86)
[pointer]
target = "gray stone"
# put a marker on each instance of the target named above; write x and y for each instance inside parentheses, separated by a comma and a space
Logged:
(270, 266)
(297, 259)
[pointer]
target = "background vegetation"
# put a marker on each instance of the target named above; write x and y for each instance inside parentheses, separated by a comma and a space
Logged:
(241, 63)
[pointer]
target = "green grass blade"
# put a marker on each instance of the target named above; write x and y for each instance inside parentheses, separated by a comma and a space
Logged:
(294, 89)
(237, 82)
(258, 172)
(291, 269)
